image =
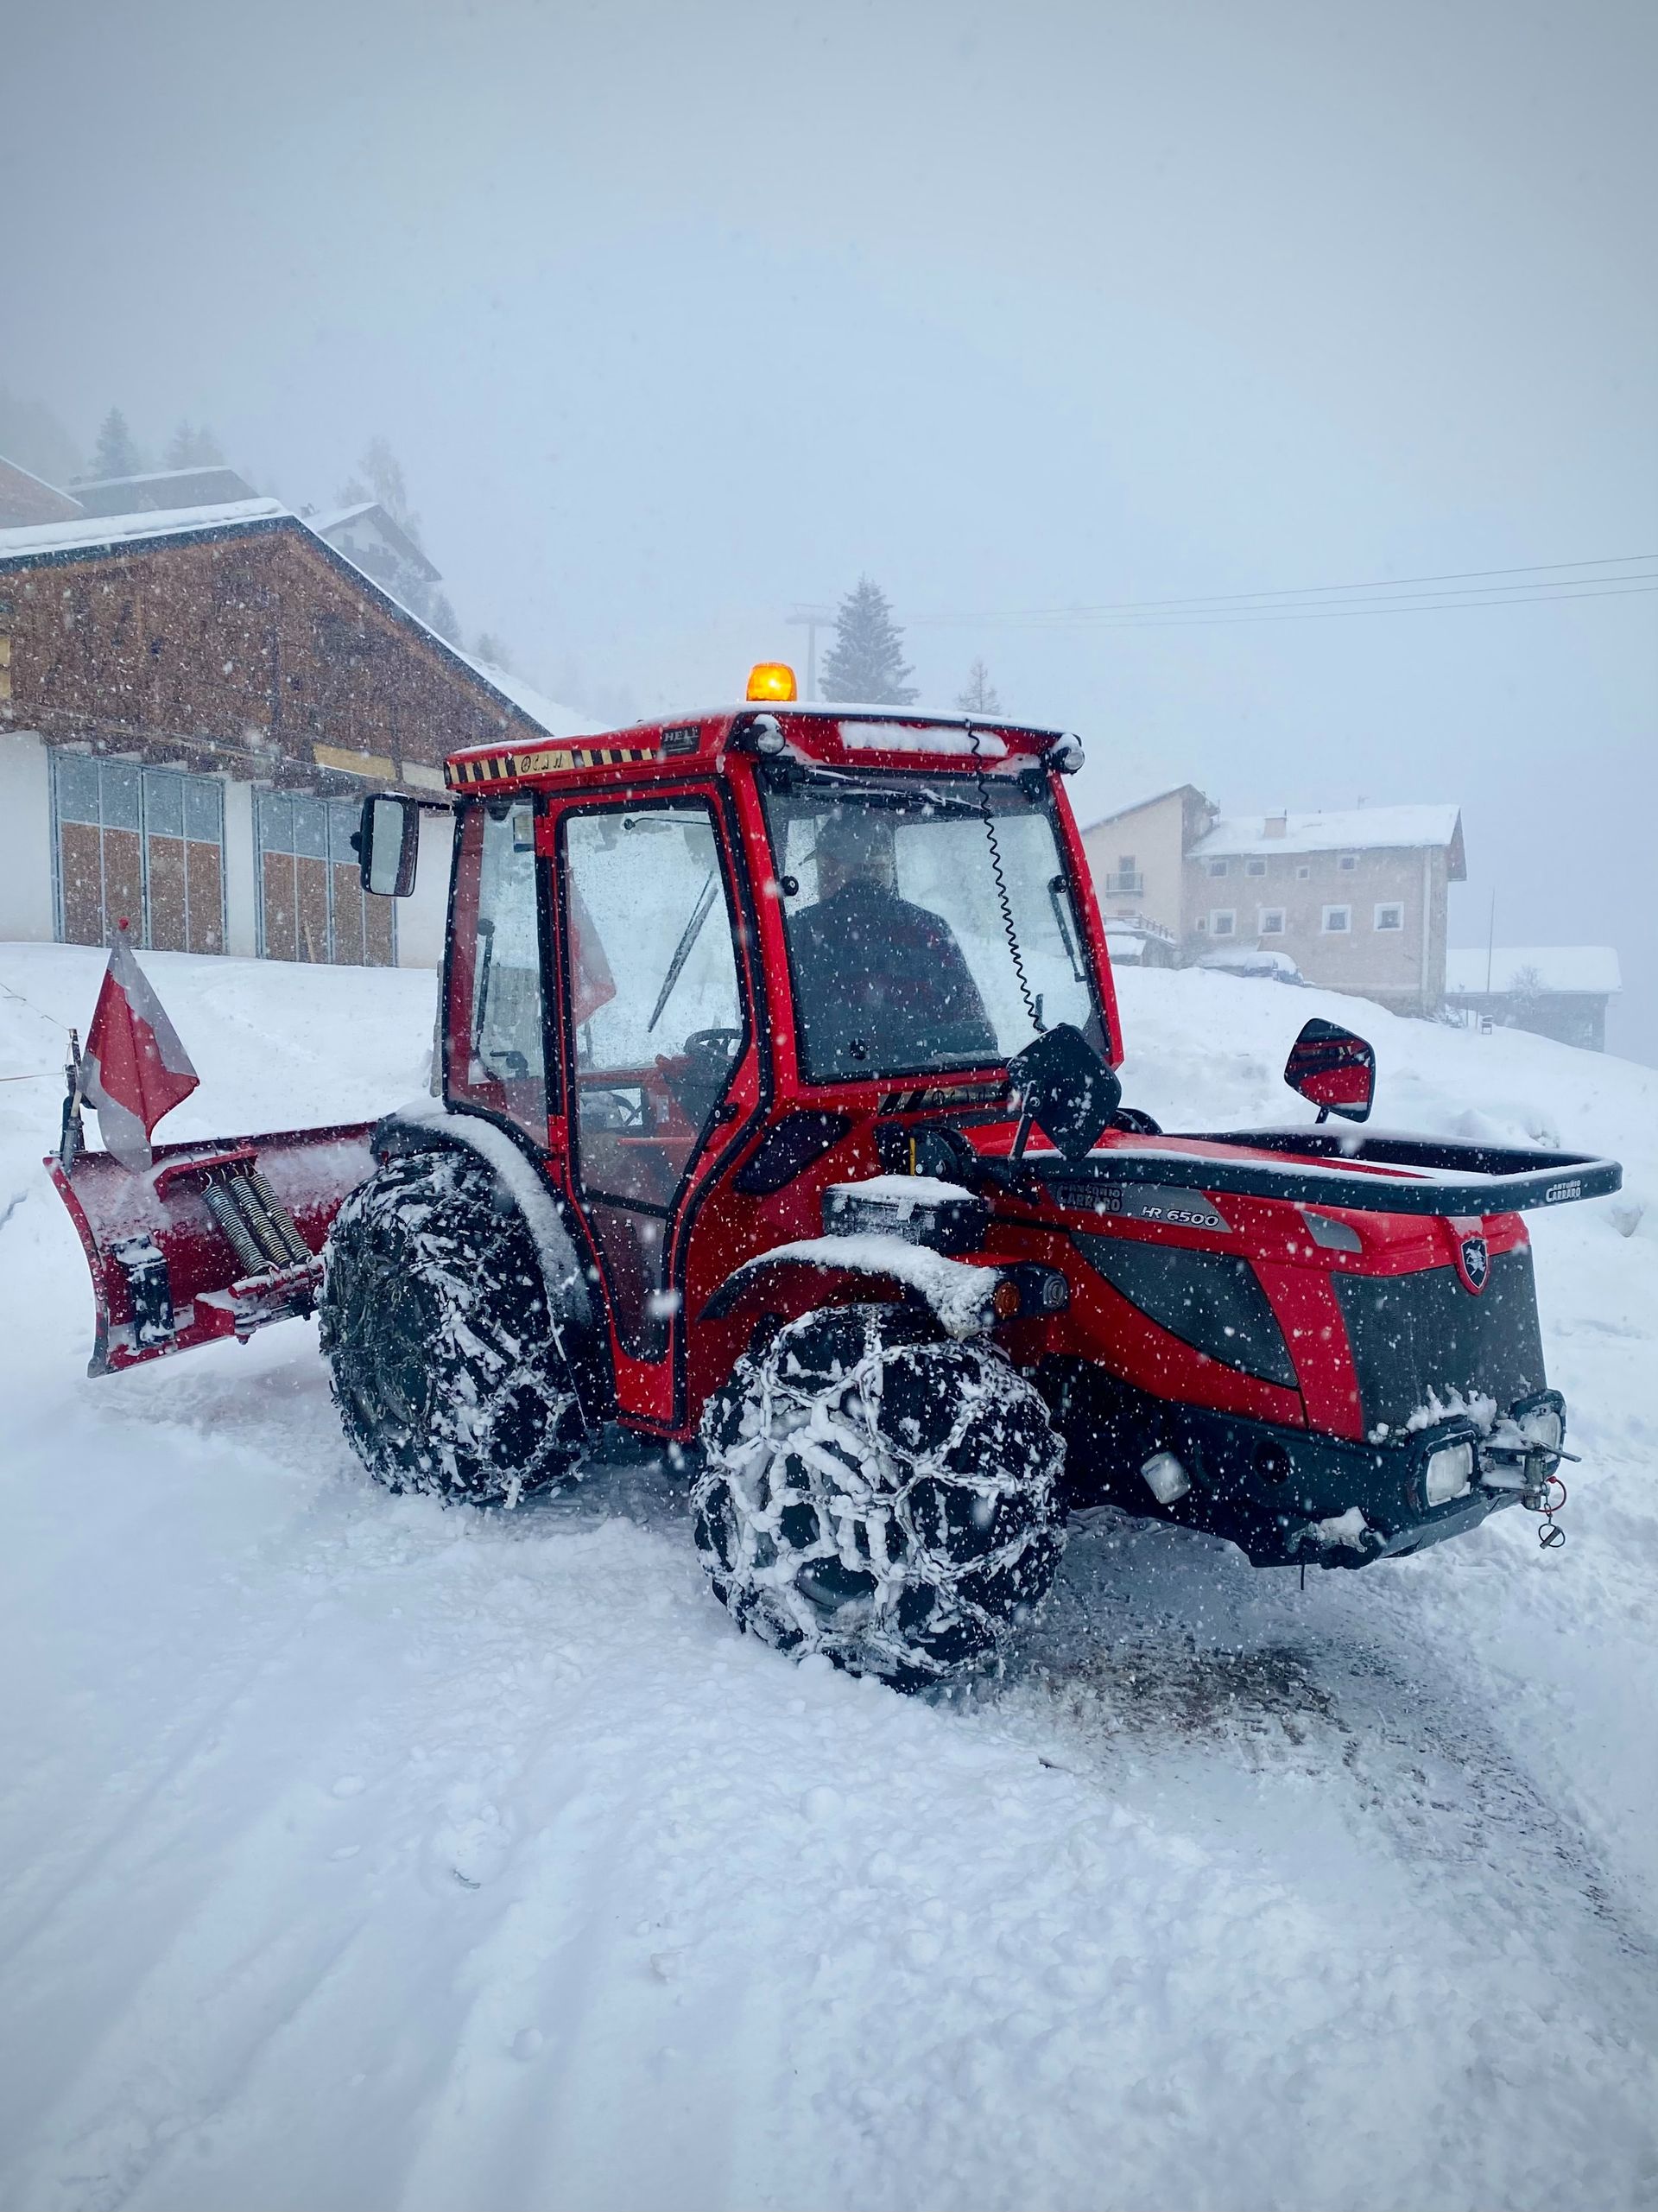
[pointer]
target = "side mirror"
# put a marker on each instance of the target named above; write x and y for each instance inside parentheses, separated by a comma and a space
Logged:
(1065, 1088)
(1334, 1069)
(388, 844)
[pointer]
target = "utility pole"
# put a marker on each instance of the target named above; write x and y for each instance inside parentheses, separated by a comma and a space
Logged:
(1490, 943)
(811, 619)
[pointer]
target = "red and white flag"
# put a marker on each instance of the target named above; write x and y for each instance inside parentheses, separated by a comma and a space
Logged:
(594, 985)
(134, 1070)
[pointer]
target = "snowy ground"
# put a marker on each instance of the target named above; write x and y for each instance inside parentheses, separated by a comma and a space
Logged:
(358, 1854)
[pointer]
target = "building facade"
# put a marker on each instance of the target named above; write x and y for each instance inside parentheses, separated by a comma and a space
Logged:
(1353, 901)
(192, 706)
(1137, 857)
(1558, 991)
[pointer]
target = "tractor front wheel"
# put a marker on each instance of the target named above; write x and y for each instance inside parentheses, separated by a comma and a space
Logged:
(880, 1495)
(442, 1353)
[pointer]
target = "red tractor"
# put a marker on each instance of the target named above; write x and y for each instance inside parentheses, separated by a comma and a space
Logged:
(779, 1118)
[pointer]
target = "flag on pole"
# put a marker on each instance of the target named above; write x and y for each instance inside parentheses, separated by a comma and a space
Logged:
(134, 1070)
(594, 985)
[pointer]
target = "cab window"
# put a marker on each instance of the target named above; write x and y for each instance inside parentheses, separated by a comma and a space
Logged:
(497, 1050)
(655, 1012)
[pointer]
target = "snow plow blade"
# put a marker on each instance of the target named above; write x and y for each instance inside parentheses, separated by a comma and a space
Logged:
(214, 1239)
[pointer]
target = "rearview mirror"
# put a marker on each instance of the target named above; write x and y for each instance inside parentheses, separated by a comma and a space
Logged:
(1334, 1069)
(388, 844)
(1065, 1089)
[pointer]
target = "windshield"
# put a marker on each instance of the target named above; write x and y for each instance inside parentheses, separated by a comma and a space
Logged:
(897, 940)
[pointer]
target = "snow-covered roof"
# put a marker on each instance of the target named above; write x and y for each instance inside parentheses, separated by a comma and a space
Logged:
(374, 517)
(37, 538)
(17, 469)
(1352, 829)
(558, 721)
(1591, 970)
(150, 476)
(330, 519)
(213, 483)
(954, 717)
(1138, 805)
(42, 500)
(849, 710)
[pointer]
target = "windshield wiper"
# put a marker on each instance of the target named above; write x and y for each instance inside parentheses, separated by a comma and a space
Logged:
(481, 1007)
(1056, 900)
(682, 951)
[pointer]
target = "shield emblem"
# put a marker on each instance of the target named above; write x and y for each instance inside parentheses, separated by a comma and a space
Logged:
(1473, 1263)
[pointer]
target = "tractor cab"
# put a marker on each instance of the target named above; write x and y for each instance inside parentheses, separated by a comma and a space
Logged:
(688, 968)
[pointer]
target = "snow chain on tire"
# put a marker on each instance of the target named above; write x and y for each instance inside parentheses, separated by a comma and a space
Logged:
(880, 1495)
(443, 1357)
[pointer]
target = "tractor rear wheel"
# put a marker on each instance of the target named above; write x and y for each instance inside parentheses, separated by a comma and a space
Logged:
(880, 1494)
(442, 1353)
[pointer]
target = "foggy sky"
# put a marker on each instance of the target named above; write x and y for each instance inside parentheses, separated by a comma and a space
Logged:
(677, 315)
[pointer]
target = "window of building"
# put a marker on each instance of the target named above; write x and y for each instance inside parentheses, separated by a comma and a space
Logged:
(1223, 922)
(1338, 921)
(1348, 862)
(1303, 874)
(147, 844)
(1391, 916)
(1219, 867)
(312, 904)
(1270, 923)
(1255, 867)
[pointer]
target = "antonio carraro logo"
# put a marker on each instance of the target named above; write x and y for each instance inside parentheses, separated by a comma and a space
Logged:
(1473, 1263)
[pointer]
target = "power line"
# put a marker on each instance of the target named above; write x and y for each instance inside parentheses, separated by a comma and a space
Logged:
(1313, 595)
(1447, 605)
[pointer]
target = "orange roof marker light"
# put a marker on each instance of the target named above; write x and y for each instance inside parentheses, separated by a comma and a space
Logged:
(772, 680)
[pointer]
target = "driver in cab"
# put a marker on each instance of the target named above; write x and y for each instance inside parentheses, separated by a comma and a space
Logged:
(882, 984)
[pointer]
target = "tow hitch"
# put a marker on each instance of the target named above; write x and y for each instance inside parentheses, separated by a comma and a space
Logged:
(1523, 1454)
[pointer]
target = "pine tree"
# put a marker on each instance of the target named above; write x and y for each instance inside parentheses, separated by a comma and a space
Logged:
(380, 477)
(192, 448)
(979, 694)
(489, 648)
(438, 615)
(115, 454)
(866, 662)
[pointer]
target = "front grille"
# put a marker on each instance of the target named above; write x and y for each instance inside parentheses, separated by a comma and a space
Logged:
(1417, 1337)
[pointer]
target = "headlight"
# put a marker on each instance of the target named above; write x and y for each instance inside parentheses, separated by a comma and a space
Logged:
(1544, 1428)
(1449, 1472)
(1165, 1477)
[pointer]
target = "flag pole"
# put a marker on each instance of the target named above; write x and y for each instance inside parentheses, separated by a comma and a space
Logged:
(71, 1142)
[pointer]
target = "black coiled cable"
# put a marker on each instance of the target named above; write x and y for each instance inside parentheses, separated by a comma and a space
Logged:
(1032, 1006)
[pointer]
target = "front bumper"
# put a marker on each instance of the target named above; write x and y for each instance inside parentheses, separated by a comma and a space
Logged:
(1286, 1497)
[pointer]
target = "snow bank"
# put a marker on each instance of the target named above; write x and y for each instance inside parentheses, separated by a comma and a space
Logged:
(357, 1851)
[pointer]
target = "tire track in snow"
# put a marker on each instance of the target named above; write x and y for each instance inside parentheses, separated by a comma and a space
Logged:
(1359, 1695)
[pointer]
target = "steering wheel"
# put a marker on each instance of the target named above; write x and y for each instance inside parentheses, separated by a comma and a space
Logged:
(699, 1076)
